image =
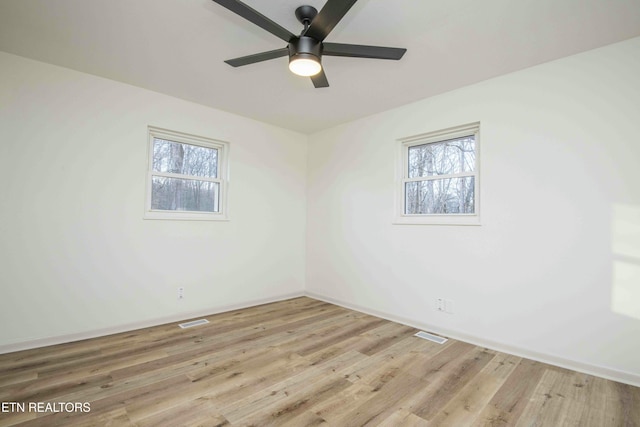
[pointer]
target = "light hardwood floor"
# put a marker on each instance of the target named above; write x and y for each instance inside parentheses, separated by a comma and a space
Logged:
(301, 362)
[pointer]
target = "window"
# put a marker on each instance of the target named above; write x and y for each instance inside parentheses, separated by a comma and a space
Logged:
(438, 177)
(186, 177)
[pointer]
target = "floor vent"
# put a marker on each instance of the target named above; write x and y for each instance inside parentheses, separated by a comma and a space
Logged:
(428, 336)
(193, 323)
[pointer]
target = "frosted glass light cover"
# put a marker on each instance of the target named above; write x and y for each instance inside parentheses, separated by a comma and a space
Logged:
(305, 67)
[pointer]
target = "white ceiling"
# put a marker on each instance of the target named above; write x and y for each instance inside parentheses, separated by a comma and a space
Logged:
(177, 47)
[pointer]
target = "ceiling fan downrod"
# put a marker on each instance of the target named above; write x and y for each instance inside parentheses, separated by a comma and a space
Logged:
(305, 14)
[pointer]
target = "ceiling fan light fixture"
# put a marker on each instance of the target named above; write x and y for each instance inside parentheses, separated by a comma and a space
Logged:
(304, 56)
(305, 65)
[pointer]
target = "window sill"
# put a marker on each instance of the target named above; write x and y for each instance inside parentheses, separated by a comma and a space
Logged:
(185, 216)
(437, 220)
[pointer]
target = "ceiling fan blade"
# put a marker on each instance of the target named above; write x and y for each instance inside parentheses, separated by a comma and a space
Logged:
(328, 17)
(320, 80)
(258, 57)
(362, 51)
(257, 18)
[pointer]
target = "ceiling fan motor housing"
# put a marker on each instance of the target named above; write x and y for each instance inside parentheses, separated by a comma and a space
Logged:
(305, 48)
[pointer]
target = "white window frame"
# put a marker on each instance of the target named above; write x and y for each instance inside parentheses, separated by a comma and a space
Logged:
(402, 177)
(222, 179)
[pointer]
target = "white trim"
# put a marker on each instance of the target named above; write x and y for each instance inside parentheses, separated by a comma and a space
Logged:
(437, 177)
(403, 145)
(222, 179)
(587, 368)
(128, 327)
(575, 365)
(181, 176)
(441, 134)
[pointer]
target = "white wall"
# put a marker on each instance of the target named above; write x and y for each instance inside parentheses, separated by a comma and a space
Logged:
(551, 273)
(76, 257)
(560, 188)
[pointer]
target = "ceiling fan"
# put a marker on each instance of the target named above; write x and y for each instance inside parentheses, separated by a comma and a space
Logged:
(306, 50)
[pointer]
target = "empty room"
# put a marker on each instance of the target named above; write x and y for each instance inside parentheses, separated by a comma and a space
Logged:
(320, 212)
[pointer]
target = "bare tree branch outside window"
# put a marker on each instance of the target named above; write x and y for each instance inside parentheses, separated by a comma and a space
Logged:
(440, 177)
(184, 191)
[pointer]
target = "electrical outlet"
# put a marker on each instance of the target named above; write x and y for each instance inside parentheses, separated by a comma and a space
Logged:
(181, 292)
(444, 305)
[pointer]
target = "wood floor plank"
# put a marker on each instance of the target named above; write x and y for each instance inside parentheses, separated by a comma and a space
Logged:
(207, 353)
(117, 417)
(306, 419)
(404, 418)
(387, 395)
(40, 390)
(339, 335)
(199, 412)
(343, 402)
(448, 379)
(383, 337)
(576, 393)
(546, 406)
(35, 358)
(245, 333)
(596, 405)
(410, 352)
(16, 418)
(509, 402)
(294, 409)
(301, 362)
(463, 408)
(293, 395)
(146, 393)
(626, 403)
(17, 377)
(432, 385)
(340, 362)
(236, 388)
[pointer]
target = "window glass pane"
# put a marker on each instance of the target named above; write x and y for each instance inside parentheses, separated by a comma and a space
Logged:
(185, 159)
(442, 158)
(440, 196)
(172, 194)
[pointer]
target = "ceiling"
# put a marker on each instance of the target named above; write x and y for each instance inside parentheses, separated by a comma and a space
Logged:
(177, 47)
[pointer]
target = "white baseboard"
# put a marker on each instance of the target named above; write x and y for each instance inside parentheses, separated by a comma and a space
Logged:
(62, 339)
(598, 371)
